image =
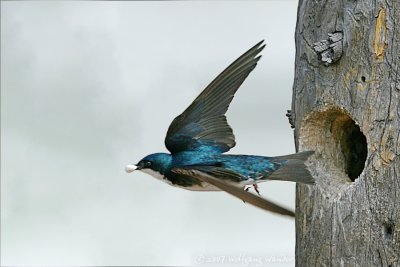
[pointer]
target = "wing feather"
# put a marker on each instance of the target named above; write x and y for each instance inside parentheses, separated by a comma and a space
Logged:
(204, 121)
(236, 191)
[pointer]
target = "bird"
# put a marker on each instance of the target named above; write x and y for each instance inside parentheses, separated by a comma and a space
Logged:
(200, 136)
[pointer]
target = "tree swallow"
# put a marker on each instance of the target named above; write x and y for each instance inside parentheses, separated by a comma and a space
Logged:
(199, 137)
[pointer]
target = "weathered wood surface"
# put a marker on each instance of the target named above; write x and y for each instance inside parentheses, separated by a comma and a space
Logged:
(348, 75)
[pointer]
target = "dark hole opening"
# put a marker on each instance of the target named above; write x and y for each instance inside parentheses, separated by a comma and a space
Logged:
(388, 231)
(340, 146)
(353, 144)
(355, 151)
(363, 79)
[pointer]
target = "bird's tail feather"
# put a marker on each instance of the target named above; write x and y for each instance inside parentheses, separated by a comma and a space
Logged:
(294, 170)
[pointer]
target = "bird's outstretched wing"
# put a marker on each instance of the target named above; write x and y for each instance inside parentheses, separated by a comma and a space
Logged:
(204, 123)
(236, 191)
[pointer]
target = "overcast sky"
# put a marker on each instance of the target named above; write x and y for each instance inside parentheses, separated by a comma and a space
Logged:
(88, 87)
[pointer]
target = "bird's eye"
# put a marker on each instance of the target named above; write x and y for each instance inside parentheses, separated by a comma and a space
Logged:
(143, 164)
(147, 163)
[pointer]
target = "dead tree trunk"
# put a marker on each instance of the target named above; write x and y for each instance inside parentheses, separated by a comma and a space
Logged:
(346, 107)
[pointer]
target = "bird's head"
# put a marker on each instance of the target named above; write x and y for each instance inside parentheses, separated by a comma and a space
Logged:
(158, 162)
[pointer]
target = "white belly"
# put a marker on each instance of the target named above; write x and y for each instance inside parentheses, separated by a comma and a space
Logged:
(203, 187)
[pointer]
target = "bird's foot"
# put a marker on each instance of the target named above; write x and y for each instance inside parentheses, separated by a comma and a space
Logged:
(255, 186)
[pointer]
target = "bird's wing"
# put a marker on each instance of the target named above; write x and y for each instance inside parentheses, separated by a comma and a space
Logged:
(204, 123)
(236, 191)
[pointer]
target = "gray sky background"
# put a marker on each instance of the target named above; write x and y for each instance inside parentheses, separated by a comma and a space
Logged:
(87, 87)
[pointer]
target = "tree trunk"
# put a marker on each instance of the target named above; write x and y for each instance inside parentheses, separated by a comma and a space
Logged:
(346, 107)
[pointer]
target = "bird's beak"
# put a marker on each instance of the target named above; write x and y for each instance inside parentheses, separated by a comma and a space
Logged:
(130, 168)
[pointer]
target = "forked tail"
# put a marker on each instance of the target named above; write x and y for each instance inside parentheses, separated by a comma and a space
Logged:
(294, 169)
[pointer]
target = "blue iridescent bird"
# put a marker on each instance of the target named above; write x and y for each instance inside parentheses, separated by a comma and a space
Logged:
(199, 137)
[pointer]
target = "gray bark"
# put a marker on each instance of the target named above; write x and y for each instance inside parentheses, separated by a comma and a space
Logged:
(346, 107)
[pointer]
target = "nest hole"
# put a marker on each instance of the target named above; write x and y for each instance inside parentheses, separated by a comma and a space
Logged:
(339, 144)
(388, 231)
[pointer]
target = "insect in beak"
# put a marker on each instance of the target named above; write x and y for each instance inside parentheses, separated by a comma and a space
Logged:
(130, 168)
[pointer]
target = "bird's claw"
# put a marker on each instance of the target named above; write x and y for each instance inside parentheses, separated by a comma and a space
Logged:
(255, 186)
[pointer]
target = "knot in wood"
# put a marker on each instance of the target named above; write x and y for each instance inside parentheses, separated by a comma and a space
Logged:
(331, 49)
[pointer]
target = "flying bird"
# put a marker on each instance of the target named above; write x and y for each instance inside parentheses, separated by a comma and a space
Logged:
(199, 137)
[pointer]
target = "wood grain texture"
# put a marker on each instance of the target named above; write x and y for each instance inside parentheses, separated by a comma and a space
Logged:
(350, 217)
